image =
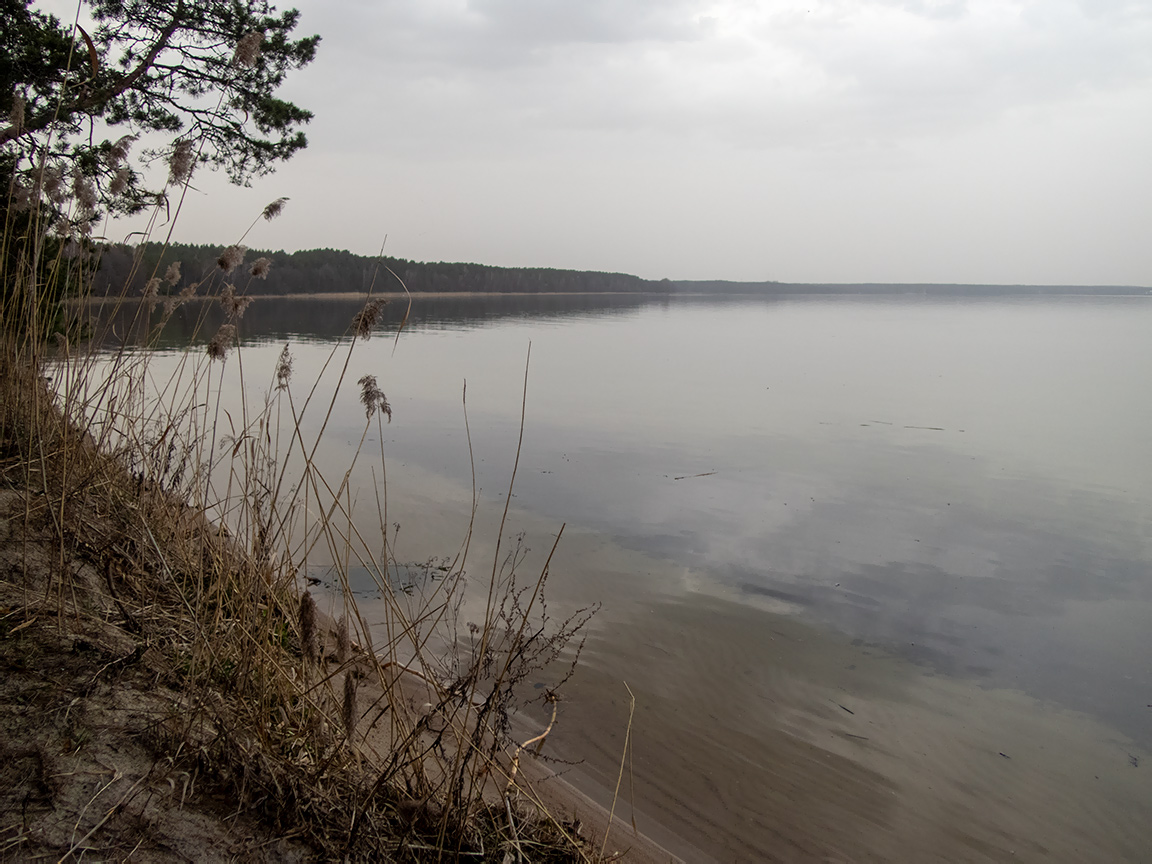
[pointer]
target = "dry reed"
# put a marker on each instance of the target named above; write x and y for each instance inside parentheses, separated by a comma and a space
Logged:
(203, 525)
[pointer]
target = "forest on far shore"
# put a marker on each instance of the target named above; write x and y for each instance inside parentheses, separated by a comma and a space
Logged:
(125, 270)
(332, 271)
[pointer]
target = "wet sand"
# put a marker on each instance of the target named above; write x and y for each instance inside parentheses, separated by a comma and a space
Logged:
(761, 737)
(809, 747)
(534, 784)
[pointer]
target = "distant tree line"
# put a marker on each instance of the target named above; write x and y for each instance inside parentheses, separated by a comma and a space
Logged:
(127, 269)
(914, 289)
(329, 271)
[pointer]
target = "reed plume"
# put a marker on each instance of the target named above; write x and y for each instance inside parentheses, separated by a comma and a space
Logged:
(84, 192)
(367, 317)
(308, 626)
(118, 152)
(50, 181)
(181, 161)
(120, 181)
(373, 398)
(274, 209)
(233, 305)
(283, 369)
(222, 341)
(231, 258)
(248, 49)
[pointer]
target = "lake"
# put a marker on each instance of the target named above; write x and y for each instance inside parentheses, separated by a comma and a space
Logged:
(877, 570)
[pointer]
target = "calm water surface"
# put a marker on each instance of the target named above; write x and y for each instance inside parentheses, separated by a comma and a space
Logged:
(962, 486)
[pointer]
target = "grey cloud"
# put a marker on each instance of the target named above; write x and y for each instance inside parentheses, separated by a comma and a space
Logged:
(546, 22)
(845, 72)
(781, 139)
(451, 40)
(971, 68)
(936, 8)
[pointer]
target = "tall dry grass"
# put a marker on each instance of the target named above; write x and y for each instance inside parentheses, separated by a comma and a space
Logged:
(394, 741)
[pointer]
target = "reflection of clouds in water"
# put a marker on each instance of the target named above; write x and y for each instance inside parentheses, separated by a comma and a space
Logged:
(991, 549)
(979, 570)
(1023, 583)
(1070, 628)
(1030, 533)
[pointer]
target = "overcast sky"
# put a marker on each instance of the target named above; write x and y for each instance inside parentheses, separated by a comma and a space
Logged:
(827, 140)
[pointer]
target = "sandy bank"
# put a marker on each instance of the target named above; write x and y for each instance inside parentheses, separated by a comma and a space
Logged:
(826, 750)
(141, 717)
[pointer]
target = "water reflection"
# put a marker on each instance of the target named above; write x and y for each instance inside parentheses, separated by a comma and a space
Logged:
(935, 476)
(323, 318)
(964, 485)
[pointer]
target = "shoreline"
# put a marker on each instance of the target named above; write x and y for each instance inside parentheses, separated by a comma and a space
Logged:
(576, 796)
(827, 750)
(570, 793)
(347, 296)
(196, 727)
(386, 295)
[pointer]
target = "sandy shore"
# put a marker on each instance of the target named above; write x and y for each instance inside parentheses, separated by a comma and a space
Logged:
(833, 751)
(567, 794)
